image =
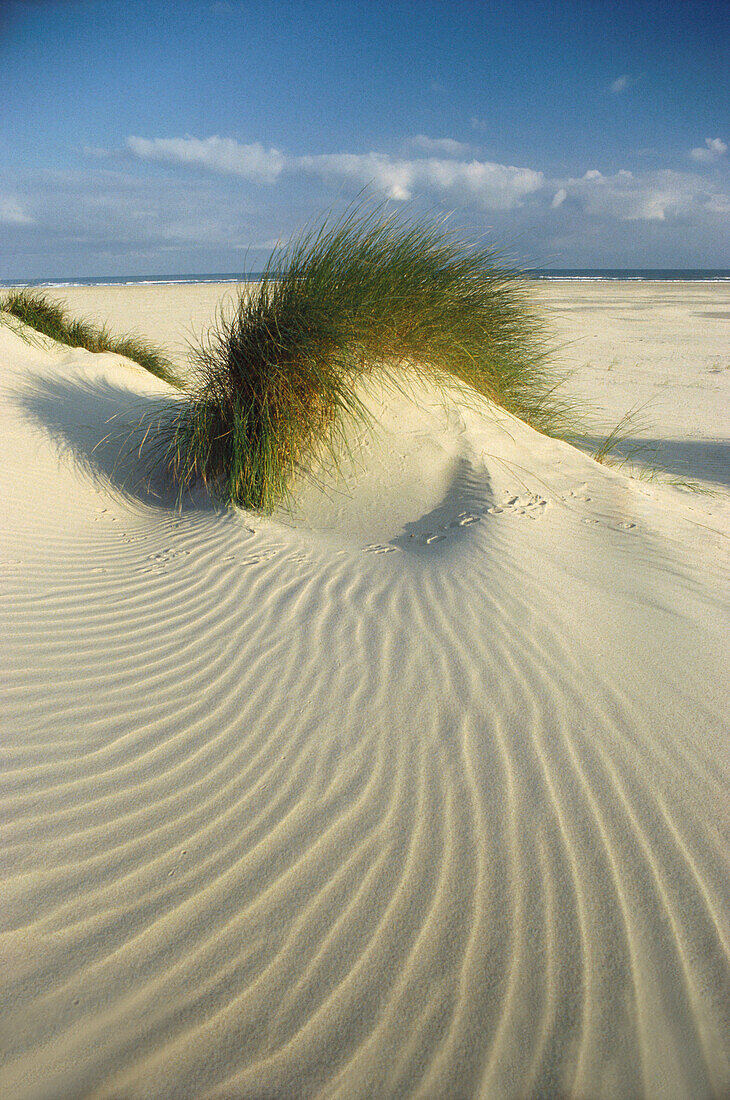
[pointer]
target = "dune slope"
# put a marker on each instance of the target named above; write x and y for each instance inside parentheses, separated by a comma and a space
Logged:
(419, 791)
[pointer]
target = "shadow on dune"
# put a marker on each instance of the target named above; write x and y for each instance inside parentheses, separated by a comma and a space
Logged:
(707, 460)
(111, 434)
(464, 503)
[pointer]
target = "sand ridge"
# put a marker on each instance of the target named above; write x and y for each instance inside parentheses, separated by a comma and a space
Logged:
(419, 790)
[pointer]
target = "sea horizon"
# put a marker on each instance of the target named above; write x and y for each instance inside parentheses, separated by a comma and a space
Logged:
(586, 274)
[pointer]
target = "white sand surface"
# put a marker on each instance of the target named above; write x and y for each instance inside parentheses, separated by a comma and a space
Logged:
(421, 791)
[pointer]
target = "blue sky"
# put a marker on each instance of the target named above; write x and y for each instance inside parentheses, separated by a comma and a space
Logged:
(141, 137)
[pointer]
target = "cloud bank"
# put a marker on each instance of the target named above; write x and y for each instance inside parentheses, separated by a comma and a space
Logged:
(490, 186)
(252, 162)
(467, 181)
(221, 205)
(654, 196)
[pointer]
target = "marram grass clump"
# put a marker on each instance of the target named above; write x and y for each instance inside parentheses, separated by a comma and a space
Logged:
(46, 316)
(275, 382)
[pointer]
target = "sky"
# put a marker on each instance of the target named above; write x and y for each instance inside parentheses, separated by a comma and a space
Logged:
(140, 137)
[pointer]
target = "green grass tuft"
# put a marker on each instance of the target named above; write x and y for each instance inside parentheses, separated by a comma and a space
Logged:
(47, 317)
(275, 382)
(607, 451)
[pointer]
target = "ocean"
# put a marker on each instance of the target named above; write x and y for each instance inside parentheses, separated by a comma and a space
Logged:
(631, 274)
(636, 274)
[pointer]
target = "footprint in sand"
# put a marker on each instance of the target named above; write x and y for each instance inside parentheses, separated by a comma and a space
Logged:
(378, 548)
(530, 505)
(580, 492)
(256, 559)
(592, 522)
(160, 561)
(428, 538)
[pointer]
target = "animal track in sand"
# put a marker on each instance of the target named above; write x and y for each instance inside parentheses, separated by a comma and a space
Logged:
(530, 505)
(579, 493)
(465, 519)
(250, 559)
(592, 521)
(158, 563)
(426, 537)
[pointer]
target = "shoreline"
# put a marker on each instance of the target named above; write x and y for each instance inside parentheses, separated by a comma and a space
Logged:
(224, 279)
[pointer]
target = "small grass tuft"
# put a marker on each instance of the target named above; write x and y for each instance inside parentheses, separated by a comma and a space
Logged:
(607, 451)
(47, 317)
(275, 382)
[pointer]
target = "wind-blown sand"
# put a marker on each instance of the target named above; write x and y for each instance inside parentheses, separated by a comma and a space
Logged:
(420, 791)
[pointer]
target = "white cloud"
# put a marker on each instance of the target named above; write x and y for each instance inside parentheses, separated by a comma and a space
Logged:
(620, 84)
(488, 185)
(711, 150)
(447, 146)
(491, 186)
(225, 155)
(12, 213)
(650, 197)
(438, 168)
(388, 174)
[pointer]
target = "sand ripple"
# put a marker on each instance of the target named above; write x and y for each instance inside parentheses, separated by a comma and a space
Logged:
(284, 821)
(285, 817)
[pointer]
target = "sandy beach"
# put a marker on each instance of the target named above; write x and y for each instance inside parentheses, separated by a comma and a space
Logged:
(418, 790)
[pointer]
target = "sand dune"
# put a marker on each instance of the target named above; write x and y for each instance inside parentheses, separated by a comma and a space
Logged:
(420, 790)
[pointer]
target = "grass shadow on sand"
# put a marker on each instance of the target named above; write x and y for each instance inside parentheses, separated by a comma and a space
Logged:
(464, 504)
(706, 460)
(112, 440)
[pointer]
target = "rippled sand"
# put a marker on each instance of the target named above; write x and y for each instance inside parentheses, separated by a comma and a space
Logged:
(420, 791)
